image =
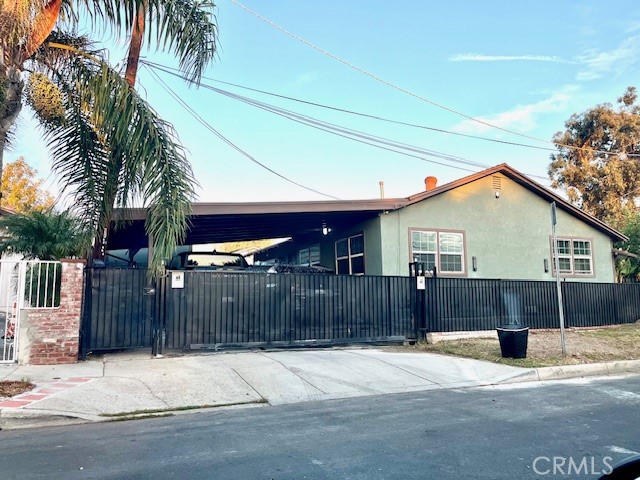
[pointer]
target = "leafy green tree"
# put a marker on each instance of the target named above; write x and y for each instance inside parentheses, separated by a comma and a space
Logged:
(597, 163)
(22, 191)
(109, 146)
(44, 235)
(629, 266)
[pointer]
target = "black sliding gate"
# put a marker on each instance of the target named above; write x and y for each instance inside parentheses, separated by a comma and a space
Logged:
(209, 310)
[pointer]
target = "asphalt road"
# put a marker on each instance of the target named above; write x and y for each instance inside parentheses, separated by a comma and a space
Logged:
(510, 432)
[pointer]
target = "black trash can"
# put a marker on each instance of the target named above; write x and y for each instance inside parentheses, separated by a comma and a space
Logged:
(513, 340)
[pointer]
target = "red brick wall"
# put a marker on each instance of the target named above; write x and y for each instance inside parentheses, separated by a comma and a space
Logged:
(53, 334)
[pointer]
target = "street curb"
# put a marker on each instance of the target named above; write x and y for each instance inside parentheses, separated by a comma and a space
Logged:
(18, 418)
(561, 372)
(14, 419)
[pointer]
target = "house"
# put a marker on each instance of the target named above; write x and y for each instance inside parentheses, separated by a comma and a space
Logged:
(492, 224)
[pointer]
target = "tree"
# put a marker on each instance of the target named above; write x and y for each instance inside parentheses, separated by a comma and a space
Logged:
(598, 163)
(629, 266)
(109, 146)
(22, 191)
(44, 235)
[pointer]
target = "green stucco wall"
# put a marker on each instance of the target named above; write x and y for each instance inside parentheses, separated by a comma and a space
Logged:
(509, 235)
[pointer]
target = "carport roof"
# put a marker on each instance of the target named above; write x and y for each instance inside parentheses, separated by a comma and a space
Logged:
(230, 222)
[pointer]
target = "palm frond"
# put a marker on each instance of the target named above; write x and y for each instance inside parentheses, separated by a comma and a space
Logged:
(116, 148)
(185, 27)
(119, 14)
(188, 28)
(44, 235)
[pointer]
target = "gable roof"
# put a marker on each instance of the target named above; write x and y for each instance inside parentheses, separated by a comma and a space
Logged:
(530, 185)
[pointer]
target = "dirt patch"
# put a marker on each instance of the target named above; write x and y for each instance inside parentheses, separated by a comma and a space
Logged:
(10, 388)
(606, 344)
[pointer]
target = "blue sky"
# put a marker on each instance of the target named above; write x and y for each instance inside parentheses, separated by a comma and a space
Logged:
(523, 66)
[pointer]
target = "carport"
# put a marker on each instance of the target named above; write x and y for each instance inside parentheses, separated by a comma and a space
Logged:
(211, 310)
(232, 222)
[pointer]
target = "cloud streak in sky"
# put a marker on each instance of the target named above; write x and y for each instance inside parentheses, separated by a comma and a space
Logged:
(522, 117)
(598, 64)
(477, 57)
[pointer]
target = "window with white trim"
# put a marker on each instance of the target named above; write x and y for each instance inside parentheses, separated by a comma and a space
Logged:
(309, 256)
(440, 249)
(575, 256)
(350, 255)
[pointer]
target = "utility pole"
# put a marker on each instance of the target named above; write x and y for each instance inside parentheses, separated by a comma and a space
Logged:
(556, 263)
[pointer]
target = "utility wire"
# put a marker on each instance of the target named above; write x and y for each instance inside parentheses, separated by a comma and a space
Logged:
(352, 134)
(226, 140)
(412, 94)
(348, 133)
(314, 122)
(168, 69)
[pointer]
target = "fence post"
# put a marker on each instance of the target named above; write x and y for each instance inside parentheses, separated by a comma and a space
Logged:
(416, 270)
(150, 295)
(87, 305)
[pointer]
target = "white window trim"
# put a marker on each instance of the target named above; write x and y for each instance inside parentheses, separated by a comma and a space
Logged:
(572, 257)
(437, 253)
(349, 255)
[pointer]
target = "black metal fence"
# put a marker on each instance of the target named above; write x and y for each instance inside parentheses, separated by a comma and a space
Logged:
(117, 313)
(215, 309)
(462, 304)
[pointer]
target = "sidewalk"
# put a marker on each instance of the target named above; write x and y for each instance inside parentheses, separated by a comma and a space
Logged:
(128, 384)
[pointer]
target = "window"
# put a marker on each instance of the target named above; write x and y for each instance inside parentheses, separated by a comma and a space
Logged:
(575, 256)
(350, 255)
(443, 250)
(309, 256)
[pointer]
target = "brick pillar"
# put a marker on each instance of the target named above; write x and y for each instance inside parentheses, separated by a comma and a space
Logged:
(51, 336)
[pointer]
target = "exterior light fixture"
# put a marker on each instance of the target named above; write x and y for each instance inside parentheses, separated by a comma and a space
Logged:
(474, 263)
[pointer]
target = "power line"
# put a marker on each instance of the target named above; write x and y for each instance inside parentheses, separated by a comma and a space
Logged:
(346, 132)
(352, 112)
(409, 92)
(229, 142)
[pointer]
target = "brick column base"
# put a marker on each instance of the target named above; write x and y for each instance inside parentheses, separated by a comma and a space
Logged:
(52, 336)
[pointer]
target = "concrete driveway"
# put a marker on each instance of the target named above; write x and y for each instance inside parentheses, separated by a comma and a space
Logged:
(133, 382)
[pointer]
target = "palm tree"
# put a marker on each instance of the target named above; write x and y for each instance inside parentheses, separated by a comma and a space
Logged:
(44, 235)
(109, 146)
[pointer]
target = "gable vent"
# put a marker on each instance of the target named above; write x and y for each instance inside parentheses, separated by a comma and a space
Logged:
(497, 183)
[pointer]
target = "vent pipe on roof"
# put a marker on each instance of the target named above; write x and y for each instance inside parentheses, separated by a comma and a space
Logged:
(430, 183)
(381, 183)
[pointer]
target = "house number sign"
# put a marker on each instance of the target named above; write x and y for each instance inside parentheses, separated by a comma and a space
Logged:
(177, 279)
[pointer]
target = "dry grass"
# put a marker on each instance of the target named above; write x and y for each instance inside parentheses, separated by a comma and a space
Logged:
(10, 388)
(584, 346)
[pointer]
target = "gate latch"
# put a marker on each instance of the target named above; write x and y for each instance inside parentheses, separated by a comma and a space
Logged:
(149, 291)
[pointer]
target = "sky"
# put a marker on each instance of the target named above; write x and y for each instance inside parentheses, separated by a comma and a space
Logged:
(525, 67)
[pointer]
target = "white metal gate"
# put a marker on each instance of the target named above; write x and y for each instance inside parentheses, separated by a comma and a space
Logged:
(24, 284)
